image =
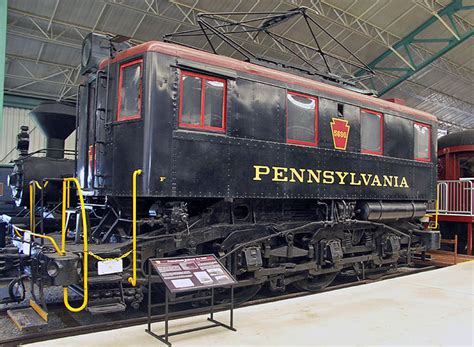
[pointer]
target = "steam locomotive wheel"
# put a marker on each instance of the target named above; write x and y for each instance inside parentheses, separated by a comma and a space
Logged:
(316, 283)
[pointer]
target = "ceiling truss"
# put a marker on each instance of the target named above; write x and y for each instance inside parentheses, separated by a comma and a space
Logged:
(50, 30)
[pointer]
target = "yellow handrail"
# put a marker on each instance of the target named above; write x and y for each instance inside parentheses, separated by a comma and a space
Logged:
(63, 216)
(33, 185)
(436, 225)
(53, 242)
(85, 236)
(32, 206)
(133, 280)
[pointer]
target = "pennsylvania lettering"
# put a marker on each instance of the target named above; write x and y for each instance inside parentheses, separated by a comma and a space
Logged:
(311, 176)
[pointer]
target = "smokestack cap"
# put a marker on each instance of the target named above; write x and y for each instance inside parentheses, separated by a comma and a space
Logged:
(56, 120)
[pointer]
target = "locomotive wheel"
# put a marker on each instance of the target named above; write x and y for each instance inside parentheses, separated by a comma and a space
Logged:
(380, 273)
(316, 283)
(319, 282)
(241, 294)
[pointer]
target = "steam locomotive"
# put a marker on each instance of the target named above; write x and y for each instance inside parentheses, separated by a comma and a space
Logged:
(56, 121)
(288, 180)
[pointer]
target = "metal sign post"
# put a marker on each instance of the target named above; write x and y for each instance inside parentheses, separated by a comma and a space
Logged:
(187, 274)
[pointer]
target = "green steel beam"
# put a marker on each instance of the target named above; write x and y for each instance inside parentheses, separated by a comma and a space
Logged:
(404, 45)
(3, 45)
(20, 101)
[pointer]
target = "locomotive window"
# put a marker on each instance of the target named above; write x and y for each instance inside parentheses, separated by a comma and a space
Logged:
(214, 99)
(191, 109)
(340, 110)
(371, 132)
(130, 90)
(422, 142)
(466, 167)
(202, 102)
(302, 117)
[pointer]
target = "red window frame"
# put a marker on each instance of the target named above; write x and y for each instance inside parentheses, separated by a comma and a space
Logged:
(316, 115)
(380, 115)
(203, 78)
(119, 96)
(429, 140)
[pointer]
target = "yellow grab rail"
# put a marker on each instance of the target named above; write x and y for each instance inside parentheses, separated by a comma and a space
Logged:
(65, 202)
(32, 206)
(53, 242)
(133, 280)
(436, 225)
(33, 185)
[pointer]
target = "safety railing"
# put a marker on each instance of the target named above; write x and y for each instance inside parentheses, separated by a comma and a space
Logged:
(455, 197)
(65, 204)
(46, 237)
(66, 190)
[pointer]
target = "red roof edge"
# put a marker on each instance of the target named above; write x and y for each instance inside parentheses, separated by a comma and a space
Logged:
(238, 65)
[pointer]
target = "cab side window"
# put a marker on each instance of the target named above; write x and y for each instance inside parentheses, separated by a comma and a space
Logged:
(371, 132)
(422, 142)
(130, 90)
(302, 119)
(202, 102)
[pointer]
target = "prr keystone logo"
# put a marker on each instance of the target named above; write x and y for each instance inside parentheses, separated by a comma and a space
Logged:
(340, 133)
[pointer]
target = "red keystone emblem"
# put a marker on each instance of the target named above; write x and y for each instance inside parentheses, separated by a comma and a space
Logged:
(340, 133)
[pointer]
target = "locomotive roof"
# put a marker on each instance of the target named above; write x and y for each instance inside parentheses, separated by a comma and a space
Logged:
(461, 138)
(253, 69)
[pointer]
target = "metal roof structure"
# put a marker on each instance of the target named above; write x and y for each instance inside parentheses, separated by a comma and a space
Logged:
(422, 50)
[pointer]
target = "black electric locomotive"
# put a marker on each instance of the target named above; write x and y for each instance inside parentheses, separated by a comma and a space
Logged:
(288, 180)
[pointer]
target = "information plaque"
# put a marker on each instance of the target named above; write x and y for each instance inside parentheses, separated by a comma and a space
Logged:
(186, 274)
(192, 273)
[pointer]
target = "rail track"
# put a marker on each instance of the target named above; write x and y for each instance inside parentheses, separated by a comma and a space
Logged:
(72, 326)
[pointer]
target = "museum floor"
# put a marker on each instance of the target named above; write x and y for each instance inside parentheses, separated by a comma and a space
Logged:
(430, 308)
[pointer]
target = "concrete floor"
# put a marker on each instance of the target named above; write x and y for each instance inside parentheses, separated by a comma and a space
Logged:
(431, 308)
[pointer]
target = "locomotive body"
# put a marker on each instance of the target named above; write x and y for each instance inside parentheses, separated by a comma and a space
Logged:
(239, 146)
(287, 179)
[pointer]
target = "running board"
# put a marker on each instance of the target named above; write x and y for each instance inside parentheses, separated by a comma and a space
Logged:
(27, 319)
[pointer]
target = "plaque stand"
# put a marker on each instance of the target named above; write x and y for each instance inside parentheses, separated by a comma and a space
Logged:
(172, 301)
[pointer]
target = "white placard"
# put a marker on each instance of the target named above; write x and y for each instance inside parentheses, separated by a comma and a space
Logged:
(203, 277)
(182, 283)
(109, 267)
(26, 247)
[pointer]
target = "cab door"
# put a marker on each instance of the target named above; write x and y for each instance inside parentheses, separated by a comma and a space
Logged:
(93, 132)
(85, 148)
(91, 121)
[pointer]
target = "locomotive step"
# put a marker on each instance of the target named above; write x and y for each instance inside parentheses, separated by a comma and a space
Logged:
(107, 308)
(105, 279)
(27, 319)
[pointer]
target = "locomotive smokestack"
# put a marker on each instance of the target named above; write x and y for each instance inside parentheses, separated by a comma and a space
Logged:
(55, 148)
(57, 121)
